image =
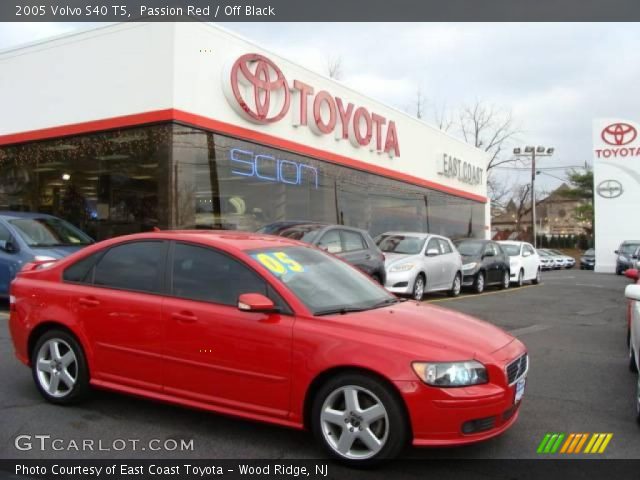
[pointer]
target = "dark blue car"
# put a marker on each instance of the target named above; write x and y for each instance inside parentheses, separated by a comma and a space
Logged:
(25, 237)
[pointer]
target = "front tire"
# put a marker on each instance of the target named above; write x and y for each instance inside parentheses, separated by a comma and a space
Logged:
(478, 284)
(418, 287)
(506, 280)
(456, 286)
(520, 280)
(59, 368)
(633, 367)
(359, 420)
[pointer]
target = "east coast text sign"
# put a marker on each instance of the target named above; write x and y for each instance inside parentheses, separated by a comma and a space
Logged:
(257, 89)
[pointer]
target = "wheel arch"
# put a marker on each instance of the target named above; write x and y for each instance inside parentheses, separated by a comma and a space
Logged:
(329, 373)
(48, 325)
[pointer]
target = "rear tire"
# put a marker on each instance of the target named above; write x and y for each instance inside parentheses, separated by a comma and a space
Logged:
(456, 287)
(59, 368)
(345, 423)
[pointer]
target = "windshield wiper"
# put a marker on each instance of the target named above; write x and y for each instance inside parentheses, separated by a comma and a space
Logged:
(385, 302)
(341, 311)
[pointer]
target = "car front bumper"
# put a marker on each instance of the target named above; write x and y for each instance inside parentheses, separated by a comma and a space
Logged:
(458, 416)
(401, 283)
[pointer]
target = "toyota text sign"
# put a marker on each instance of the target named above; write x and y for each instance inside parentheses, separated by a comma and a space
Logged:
(257, 89)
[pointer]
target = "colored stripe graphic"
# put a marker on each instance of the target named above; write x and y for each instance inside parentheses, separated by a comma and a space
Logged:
(573, 443)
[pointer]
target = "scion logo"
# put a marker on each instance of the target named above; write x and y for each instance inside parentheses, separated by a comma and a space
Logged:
(610, 189)
(254, 78)
(619, 134)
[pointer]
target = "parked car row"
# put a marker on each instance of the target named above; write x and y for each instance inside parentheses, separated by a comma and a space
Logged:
(632, 292)
(555, 260)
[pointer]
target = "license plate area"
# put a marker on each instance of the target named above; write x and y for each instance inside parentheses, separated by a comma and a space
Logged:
(519, 391)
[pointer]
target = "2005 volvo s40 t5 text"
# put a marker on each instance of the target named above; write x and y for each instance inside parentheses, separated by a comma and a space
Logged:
(269, 329)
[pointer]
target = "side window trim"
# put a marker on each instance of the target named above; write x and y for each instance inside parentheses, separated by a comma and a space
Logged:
(91, 273)
(169, 276)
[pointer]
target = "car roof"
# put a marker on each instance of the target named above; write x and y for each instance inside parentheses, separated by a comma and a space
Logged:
(231, 239)
(11, 215)
(413, 234)
(511, 242)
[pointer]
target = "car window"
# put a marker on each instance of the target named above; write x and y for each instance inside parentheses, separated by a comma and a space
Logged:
(49, 232)
(134, 266)
(488, 249)
(200, 273)
(331, 242)
(444, 246)
(511, 249)
(528, 249)
(79, 272)
(405, 244)
(5, 234)
(433, 244)
(352, 241)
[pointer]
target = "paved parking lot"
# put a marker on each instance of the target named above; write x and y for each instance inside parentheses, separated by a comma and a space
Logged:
(573, 325)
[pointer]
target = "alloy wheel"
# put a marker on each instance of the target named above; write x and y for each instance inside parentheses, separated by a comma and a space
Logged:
(354, 422)
(480, 283)
(57, 367)
(457, 286)
(418, 288)
(506, 279)
(520, 279)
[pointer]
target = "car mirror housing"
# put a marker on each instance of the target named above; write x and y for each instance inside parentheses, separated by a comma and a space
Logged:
(8, 246)
(632, 273)
(632, 292)
(255, 302)
(432, 252)
(616, 252)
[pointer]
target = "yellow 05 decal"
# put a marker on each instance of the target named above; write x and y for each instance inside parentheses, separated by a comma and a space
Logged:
(279, 263)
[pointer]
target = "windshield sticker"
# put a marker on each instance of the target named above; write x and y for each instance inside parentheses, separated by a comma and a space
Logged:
(278, 263)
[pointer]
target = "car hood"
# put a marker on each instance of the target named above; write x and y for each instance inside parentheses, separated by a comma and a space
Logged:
(391, 258)
(470, 258)
(55, 252)
(449, 335)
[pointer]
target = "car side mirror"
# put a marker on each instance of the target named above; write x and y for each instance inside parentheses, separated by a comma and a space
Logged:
(8, 246)
(632, 273)
(632, 292)
(432, 252)
(255, 302)
(634, 256)
(616, 252)
(526, 254)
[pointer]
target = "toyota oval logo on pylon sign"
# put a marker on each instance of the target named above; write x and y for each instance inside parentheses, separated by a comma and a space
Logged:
(619, 134)
(260, 88)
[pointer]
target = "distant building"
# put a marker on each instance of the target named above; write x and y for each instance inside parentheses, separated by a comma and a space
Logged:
(555, 215)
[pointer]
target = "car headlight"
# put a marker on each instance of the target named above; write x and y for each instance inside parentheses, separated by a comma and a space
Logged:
(469, 266)
(451, 374)
(403, 267)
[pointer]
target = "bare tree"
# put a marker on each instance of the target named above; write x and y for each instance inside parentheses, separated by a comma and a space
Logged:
(488, 128)
(334, 67)
(443, 117)
(498, 191)
(420, 103)
(522, 201)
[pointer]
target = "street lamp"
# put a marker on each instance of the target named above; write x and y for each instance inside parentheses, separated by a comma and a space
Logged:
(533, 152)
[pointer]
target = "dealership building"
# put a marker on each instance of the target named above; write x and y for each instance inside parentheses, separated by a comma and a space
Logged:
(185, 125)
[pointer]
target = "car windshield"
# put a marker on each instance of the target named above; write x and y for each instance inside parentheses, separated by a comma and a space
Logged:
(405, 244)
(470, 247)
(542, 253)
(49, 232)
(325, 284)
(629, 248)
(510, 249)
(590, 252)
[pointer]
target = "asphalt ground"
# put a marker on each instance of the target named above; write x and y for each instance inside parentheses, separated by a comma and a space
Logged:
(573, 325)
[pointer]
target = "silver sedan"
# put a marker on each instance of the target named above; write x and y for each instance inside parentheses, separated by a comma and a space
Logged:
(417, 263)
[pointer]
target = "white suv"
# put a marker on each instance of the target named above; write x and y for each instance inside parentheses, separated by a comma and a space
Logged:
(524, 262)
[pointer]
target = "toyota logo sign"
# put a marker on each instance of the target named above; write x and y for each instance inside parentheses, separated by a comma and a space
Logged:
(619, 134)
(260, 88)
(610, 189)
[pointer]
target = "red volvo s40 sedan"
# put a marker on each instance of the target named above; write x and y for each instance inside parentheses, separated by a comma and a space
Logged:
(269, 329)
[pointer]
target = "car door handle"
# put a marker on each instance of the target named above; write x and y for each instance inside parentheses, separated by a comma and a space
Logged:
(184, 317)
(89, 302)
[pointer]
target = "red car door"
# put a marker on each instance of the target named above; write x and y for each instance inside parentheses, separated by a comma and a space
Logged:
(119, 306)
(216, 353)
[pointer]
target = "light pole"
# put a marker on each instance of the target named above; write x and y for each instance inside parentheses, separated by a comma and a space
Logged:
(533, 152)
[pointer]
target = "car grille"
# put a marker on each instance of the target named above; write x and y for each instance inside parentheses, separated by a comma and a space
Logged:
(517, 368)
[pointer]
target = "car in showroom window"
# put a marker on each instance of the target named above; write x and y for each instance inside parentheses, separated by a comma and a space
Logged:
(326, 347)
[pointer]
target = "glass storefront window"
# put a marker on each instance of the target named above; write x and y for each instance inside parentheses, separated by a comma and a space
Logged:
(175, 176)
